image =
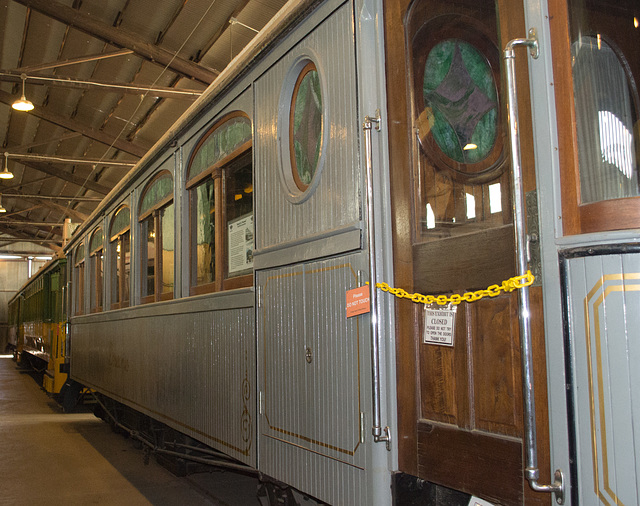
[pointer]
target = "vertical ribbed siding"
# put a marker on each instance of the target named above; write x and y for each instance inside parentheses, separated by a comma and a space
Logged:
(604, 296)
(310, 429)
(191, 370)
(335, 201)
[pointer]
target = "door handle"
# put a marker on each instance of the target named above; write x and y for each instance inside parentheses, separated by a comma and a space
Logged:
(532, 472)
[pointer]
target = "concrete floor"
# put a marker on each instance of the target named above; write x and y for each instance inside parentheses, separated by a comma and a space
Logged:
(50, 457)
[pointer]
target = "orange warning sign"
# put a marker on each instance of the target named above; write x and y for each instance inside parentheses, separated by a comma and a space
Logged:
(358, 301)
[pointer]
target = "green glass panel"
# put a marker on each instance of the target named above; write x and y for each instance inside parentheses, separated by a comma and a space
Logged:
(121, 221)
(459, 88)
(96, 240)
(80, 253)
(160, 189)
(307, 126)
(223, 141)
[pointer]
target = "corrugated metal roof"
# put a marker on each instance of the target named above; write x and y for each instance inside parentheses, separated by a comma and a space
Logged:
(98, 122)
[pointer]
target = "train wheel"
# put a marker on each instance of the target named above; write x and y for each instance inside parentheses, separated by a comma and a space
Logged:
(70, 395)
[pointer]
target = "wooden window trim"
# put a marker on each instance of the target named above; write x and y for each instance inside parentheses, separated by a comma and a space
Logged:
(238, 282)
(79, 272)
(614, 214)
(155, 211)
(157, 268)
(217, 172)
(119, 240)
(97, 281)
(204, 138)
(218, 166)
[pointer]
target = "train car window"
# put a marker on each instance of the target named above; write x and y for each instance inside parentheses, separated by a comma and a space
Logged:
(461, 182)
(96, 261)
(78, 279)
(221, 236)
(157, 246)
(601, 66)
(120, 257)
(305, 126)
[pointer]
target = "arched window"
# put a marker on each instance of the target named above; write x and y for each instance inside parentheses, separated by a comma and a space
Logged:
(78, 277)
(97, 269)
(120, 257)
(220, 185)
(157, 239)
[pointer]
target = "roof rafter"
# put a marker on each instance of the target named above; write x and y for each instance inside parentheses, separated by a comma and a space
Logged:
(121, 38)
(67, 176)
(43, 113)
(65, 210)
(132, 89)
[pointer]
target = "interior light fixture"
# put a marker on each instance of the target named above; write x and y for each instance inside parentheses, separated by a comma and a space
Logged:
(2, 209)
(4, 173)
(23, 104)
(470, 146)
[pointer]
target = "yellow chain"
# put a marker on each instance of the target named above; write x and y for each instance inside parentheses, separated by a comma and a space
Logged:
(508, 285)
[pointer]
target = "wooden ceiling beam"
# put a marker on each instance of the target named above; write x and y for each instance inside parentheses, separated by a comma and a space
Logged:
(97, 135)
(67, 176)
(121, 38)
(54, 245)
(93, 84)
(48, 229)
(66, 211)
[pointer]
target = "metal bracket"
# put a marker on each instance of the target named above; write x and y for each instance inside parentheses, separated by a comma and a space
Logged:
(533, 236)
(379, 438)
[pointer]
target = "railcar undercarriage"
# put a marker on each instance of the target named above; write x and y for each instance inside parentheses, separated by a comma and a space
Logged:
(183, 455)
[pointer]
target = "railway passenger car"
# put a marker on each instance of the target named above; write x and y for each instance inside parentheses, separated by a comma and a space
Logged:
(38, 324)
(432, 146)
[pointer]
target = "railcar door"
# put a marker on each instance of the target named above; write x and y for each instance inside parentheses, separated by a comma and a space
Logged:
(461, 421)
(461, 418)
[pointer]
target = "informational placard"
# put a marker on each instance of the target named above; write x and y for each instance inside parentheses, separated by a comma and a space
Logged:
(240, 241)
(439, 326)
(358, 301)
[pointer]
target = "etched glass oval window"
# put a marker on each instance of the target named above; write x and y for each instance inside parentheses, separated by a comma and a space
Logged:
(461, 101)
(305, 126)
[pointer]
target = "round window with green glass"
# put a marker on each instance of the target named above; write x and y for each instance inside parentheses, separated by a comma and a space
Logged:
(305, 126)
(458, 121)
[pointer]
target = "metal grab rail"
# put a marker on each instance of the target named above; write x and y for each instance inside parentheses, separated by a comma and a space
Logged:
(377, 429)
(532, 472)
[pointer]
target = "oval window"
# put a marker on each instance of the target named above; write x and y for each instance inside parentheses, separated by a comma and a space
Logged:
(461, 99)
(305, 126)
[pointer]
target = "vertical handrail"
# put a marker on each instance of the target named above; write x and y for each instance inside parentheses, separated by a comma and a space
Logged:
(377, 429)
(532, 471)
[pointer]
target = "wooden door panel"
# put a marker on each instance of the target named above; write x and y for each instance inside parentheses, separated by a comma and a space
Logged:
(472, 461)
(460, 418)
(496, 356)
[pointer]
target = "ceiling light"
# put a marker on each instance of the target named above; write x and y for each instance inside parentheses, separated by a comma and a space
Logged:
(23, 104)
(2, 209)
(4, 173)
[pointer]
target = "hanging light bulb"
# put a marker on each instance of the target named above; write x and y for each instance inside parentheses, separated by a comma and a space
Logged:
(23, 104)
(2, 209)
(4, 173)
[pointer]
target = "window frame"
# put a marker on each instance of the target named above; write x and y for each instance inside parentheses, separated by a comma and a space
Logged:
(155, 213)
(217, 172)
(577, 218)
(96, 262)
(117, 239)
(78, 271)
(308, 67)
